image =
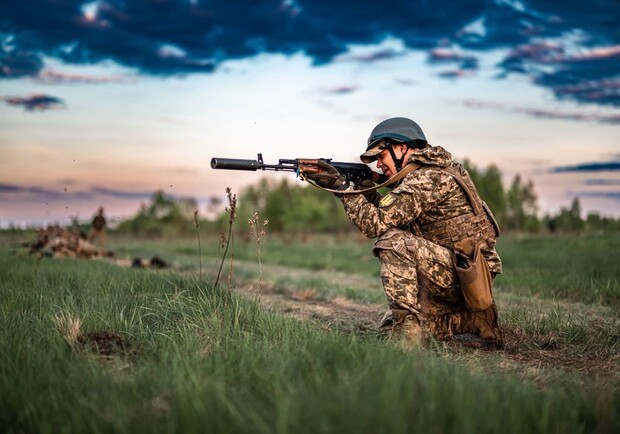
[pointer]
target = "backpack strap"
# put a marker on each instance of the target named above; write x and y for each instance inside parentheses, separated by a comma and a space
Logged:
(479, 206)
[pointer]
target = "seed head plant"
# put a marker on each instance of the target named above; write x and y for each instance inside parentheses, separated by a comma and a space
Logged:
(257, 231)
(231, 210)
(197, 226)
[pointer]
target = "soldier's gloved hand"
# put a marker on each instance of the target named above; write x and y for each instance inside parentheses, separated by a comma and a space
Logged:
(371, 196)
(328, 177)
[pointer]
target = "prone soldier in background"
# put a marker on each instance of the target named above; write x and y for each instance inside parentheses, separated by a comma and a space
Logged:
(98, 231)
(435, 237)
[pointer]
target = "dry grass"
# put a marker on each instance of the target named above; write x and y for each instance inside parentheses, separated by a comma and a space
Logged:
(103, 343)
(69, 327)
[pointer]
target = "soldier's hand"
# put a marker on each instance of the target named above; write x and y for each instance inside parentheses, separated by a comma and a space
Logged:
(371, 196)
(327, 177)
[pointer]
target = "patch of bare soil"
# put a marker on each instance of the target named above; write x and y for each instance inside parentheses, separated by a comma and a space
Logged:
(103, 343)
(338, 311)
(536, 351)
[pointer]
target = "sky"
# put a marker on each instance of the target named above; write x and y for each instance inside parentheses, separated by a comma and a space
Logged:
(105, 102)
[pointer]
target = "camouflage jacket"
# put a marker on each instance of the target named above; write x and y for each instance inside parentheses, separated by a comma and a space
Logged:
(425, 200)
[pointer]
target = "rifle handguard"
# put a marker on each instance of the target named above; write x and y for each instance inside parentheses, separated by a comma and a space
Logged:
(397, 177)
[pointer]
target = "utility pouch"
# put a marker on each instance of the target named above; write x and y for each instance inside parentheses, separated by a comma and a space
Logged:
(474, 275)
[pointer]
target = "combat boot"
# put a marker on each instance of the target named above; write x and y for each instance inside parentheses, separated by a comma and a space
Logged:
(403, 327)
(484, 324)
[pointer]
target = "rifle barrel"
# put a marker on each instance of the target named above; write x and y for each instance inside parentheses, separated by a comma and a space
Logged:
(235, 164)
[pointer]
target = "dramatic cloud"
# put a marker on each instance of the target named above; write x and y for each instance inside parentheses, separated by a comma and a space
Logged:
(602, 182)
(375, 56)
(613, 195)
(140, 195)
(570, 47)
(13, 191)
(340, 90)
(604, 166)
(544, 113)
(49, 76)
(34, 102)
(42, 193)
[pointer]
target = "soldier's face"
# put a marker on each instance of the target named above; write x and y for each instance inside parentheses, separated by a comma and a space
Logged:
(386, 164)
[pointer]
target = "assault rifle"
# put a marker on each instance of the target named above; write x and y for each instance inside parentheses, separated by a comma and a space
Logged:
(353, 172)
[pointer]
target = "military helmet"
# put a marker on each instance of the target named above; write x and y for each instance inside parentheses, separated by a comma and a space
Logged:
(402, 130)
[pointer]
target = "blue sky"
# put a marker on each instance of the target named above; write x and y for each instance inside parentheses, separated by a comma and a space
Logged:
(101, 103)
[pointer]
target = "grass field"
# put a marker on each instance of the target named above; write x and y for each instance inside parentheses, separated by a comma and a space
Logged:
(286, 347)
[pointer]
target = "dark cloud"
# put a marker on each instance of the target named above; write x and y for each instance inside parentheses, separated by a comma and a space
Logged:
(602, 182)
(466, 64)
(544, 113)
(341, 90)
(121, 194)
(34, 102)
(455, 73)
(12, 191)
(41, 192)
(603, 166)
(54, 77)
(375, 56)
(569, 47)
(613, 195)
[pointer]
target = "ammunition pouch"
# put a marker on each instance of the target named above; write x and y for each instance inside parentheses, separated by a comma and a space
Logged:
(474, 275)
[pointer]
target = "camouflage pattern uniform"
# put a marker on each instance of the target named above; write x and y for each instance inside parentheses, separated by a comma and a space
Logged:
(416, 226)
(62, 243)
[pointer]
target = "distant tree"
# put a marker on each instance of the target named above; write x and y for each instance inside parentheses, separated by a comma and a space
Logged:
(296, 208)
(577, 224)
(568, 220)
(492, 192)
(530, 208)
(278, 201)
(521, 206)
(489, 185)
(596, 223)
(163, 215)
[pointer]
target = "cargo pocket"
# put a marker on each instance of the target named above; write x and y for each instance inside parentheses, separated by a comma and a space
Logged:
(474, 275)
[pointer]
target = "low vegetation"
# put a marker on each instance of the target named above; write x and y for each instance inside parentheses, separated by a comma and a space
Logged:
(88, 346)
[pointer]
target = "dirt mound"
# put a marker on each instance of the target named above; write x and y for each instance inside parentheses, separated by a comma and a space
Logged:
(104, 343)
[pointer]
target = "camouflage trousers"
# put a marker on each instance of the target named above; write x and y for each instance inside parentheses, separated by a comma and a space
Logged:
(421, 285)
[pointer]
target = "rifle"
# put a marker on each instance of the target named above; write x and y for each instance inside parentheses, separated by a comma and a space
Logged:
(353, 172)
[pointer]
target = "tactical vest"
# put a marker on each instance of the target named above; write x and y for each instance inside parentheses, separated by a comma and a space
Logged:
(479, 225)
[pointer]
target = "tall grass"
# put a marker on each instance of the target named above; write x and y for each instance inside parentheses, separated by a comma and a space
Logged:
(572, 267)
(575, 268)
(203, 360)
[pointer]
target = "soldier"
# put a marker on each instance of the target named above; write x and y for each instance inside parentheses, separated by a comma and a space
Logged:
(97, 232)
(432, 210)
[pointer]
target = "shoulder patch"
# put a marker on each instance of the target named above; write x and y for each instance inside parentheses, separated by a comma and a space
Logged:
(387, 200)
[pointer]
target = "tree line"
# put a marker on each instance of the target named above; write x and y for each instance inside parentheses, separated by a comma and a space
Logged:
(295, 207)
(292, 207)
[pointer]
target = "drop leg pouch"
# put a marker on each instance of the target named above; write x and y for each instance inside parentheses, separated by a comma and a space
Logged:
(474, 275)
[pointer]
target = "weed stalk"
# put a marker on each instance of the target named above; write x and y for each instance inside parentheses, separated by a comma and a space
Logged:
(258, 232)
(197, 226)
(226, 240)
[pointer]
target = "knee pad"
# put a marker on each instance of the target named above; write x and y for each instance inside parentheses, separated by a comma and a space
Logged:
(393, 239)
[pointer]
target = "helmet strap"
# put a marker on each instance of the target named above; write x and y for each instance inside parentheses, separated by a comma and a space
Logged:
(398, 162)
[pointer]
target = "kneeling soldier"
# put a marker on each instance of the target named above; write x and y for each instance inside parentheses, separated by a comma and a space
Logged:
(431, 213)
